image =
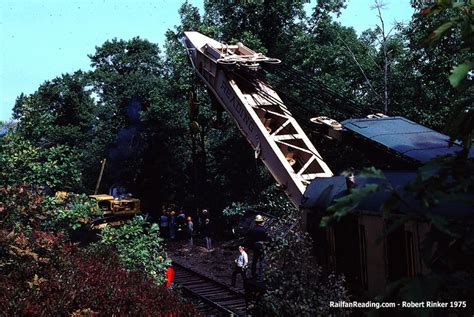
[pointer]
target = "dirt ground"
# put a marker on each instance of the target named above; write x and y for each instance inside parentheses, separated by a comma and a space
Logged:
(217, 263)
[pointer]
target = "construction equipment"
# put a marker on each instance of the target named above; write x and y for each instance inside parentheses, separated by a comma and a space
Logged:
(267, 124)
(115, 210)
(103, 162)
(230, 73)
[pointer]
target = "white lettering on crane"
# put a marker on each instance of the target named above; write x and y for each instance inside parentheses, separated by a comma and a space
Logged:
(237, 106)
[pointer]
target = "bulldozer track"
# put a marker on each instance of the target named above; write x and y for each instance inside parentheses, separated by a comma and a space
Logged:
(215, 297)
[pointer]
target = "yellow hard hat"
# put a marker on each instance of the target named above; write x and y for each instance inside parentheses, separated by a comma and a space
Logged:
(258, 218)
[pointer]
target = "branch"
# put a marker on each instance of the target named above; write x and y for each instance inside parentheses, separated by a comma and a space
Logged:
(361, 69)
(379, 5)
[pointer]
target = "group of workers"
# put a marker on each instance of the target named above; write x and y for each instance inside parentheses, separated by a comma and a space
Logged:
(178, 226)
(256, 239)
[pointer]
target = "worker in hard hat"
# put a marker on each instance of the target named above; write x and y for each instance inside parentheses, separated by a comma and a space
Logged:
(181, 225)
(189, 230)
(257, 238)
(172, 225)
(206, 232)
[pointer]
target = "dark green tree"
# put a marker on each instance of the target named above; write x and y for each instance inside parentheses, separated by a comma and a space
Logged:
(57, 167)
(62, 112)
(126, 75)
(265, 26)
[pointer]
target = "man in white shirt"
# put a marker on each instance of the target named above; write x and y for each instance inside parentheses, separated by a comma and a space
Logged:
(241, 264)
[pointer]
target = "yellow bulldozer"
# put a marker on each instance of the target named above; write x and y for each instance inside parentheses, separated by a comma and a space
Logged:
(109, 211)
(115, 210)
(116, 207)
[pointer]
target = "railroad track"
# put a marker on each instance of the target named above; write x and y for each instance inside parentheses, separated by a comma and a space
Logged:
(214, 295)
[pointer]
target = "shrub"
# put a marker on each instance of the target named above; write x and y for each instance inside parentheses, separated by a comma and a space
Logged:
(139, 247)
(42, 274)
(275, 202)
(20, 207)
(69, 212)
(90, 283)
(236, 209)
(57, 166)
(296, 285)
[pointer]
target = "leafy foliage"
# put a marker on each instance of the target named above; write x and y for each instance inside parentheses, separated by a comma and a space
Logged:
(62, 112)
(296, 285)
(254, 20)
(57, 167)
(70, 212)
(42, 273)
(461, 20)
(235, 209)
(88, 283)
(125, 76)
(139, 249)
(342, 206)
(274, 201)
(445, 179)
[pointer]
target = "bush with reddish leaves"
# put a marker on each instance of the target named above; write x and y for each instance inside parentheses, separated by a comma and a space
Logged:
(93, 283)
(43, 274)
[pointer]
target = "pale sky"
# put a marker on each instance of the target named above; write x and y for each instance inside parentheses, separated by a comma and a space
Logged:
(42, 39)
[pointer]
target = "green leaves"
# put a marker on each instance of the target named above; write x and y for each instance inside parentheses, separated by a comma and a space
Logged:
(459, 74)
(235, 209)
(296, 285)
(69, 212)
(436, 35)
(463, 20)
(21, 161)
(139, 247)
(342, 206)
(442, 224)
(444, 179)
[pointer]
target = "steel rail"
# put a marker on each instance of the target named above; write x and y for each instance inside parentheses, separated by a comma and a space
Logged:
(216, 294)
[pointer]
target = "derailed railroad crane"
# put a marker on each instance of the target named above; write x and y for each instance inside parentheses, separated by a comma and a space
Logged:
(230, 74)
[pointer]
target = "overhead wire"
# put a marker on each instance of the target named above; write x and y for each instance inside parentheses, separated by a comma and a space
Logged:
(309, 83)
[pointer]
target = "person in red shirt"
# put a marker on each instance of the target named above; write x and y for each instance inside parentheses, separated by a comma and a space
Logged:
(169, 276)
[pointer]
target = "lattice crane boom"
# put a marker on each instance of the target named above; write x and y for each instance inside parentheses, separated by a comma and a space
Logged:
(258, 111)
